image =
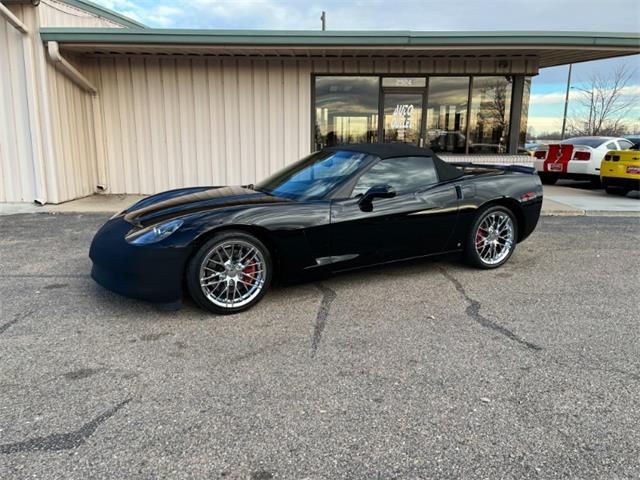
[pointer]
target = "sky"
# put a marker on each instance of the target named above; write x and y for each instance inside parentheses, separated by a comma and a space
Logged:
(548, 88)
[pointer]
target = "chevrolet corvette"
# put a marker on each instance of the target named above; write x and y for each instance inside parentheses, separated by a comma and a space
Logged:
(338, 209)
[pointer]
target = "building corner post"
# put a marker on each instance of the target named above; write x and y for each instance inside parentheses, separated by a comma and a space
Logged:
(515, 116)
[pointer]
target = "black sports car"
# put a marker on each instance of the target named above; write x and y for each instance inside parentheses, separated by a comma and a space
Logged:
(337, 209)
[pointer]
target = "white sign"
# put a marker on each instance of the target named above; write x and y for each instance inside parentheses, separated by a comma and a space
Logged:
(402, 116)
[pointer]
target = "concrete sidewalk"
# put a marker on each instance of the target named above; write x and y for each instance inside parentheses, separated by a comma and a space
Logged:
(579, 198)
(569, 199)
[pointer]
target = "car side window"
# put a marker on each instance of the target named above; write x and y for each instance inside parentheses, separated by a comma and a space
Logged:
(612, 146)
(404, 174)
(625, 144)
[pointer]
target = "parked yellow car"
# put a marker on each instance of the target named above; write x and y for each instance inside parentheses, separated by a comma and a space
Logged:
(620, 171)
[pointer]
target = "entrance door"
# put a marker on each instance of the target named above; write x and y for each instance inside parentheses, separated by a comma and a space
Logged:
(402, 113)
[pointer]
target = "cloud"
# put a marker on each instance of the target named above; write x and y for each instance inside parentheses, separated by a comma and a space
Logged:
(568, 15)
(544, 124)
(559, 96)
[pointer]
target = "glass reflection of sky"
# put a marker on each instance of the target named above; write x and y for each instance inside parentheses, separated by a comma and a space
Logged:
(404, 174)
(347, 112)
(346, 109)
(314, 176)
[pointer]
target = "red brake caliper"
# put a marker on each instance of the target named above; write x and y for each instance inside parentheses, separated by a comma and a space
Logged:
(478, 237)
(250, 272)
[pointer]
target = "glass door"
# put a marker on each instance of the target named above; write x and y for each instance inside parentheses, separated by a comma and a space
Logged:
(402, 114)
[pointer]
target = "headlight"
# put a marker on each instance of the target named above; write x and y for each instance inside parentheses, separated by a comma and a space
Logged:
(154, 234)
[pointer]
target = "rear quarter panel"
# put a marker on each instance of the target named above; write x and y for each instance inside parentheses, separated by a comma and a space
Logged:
(522, 192)
(615, 164)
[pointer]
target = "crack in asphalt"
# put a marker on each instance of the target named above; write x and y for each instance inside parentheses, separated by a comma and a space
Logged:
(62, 441)
(473, 312)
(328, 296)
(20, 316)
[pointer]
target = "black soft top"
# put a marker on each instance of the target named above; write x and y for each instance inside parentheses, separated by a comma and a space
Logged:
(445, 170)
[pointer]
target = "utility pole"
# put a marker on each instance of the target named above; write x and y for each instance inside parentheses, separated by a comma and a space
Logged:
(591, 123)
(323, 19)
(566, 102)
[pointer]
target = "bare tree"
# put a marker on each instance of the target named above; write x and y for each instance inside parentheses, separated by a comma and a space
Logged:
(604, 105)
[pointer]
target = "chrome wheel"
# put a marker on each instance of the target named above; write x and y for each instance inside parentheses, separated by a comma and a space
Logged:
(232, 274)
(494, 237)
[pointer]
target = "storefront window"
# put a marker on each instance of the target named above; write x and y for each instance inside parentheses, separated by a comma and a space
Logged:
(346, 110)
(522, 138)
(402, 117)
(489, 116)
(447, 113)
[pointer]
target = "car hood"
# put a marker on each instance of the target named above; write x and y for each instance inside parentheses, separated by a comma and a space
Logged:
(176, 203)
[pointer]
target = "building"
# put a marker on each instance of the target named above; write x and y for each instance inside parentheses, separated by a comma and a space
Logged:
(92, 101)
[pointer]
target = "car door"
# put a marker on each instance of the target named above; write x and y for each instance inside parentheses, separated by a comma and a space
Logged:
(418, 220)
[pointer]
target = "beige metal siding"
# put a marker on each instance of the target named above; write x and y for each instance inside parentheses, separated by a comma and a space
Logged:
(58, 14)
(16, 171)
(182, 121)
(16, 166)
(170, 122)
(73, 132)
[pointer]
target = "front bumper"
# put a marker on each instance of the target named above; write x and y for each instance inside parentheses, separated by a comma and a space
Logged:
(148, 272)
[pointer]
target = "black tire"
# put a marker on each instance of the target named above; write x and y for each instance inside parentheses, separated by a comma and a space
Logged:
(547, 179)
(472, 255)
(196, 264)
(616, 190)
(595, 182)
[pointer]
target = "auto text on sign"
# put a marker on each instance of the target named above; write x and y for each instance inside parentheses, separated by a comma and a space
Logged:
(402, 116)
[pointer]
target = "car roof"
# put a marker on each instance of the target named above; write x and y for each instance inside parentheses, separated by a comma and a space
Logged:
(595, 137)
(385, 150)
(394, 150)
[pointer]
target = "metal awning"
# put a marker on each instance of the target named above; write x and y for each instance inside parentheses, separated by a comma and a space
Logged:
(550, 48)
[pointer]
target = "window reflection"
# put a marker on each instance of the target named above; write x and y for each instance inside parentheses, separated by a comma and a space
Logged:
(447, 113)
(402, 117)
(346, 110)
(314, 176)
(489, 116)
(522, 138)
(406, 174)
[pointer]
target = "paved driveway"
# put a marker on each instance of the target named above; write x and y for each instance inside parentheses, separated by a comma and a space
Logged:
(413, 371)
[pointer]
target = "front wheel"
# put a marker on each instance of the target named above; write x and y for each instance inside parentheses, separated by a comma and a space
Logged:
(492, 237)
(230, 273)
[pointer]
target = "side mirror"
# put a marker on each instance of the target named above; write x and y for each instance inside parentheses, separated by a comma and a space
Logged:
(377, 191)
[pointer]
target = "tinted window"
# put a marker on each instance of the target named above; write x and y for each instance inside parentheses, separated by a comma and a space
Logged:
(405, 174)
(612, 146)
(489, 115)
(593, 142)
(314, 176)
(447, 113)
(346, 110)
(625, 144)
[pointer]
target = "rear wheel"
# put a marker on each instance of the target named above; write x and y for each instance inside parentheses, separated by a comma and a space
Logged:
(492, 237)
(547, 179)
(595, 182)
(230, 273)
(616, 190)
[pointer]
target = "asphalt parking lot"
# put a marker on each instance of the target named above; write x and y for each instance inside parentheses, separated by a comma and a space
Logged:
(421, 370)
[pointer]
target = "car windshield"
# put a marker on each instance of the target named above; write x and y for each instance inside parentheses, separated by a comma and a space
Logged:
(593, 142)
(314, 176)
